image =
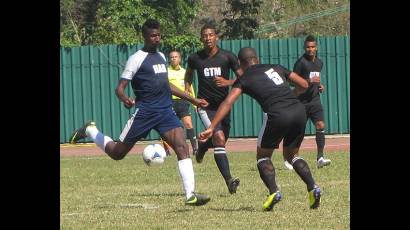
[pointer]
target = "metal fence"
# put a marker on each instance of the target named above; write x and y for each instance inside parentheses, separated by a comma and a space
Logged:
(89, 75)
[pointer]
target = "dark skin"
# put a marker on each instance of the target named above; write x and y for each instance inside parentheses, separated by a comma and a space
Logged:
(209, 38)
(175, 137)
(233, 95)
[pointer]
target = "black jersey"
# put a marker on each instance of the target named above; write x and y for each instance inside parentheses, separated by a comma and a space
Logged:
(307, 69)
(267, 84)
(207, 69)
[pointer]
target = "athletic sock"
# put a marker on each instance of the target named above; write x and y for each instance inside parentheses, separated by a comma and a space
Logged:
(302, 169)
(267, 174)
(190, 134)
(320, 142)
(99, 139)
(186, 171)
(222, 162)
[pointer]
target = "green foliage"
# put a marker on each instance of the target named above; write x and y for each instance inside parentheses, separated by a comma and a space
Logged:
(185, 44)
(86, 22)
(281, 12)
(240, 21)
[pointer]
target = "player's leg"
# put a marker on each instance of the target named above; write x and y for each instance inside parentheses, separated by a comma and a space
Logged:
(268, 139)
(221, 160)
(172, 132)
(316, 115)
(186, 119)
(116, 151)
(167, 148)
(291, 143)
(203, 146)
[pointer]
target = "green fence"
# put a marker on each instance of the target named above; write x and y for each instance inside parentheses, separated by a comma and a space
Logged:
(89, 75)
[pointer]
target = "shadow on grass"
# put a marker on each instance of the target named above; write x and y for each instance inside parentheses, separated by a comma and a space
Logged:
(240, 209)
(158, 194)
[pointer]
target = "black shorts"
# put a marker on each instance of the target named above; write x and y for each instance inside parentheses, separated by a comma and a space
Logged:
(181, 108)
(287, 124)
(206, 117)
(314, 110)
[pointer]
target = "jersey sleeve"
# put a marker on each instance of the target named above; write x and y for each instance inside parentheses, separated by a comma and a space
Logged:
(233, 61)
(133, 64)
(297, 68)
(286, 72)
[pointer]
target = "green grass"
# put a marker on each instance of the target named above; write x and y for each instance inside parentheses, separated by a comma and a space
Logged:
(100, 193)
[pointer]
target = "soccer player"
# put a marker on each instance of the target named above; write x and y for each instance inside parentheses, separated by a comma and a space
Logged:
(212, 65)
(308, 66)
(146, 70)
(176, 75)
(285, 119)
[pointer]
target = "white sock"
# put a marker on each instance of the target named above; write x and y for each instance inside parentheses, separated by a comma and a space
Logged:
(99, 138)
(186, 170)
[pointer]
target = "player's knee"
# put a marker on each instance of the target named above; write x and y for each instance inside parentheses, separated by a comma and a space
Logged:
(320, 125)
(218, 139)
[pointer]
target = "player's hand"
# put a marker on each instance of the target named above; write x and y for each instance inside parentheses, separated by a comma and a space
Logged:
(315, 79)
(321, 88)
(201, 103)
(188, 92)
(129, 103)
(221, 82)
(203, 136)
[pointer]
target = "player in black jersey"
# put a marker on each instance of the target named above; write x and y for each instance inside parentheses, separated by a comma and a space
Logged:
(212, 65)
(286, 119)
(308, 66)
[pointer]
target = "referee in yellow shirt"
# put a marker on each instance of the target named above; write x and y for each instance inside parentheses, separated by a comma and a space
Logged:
(176, 75)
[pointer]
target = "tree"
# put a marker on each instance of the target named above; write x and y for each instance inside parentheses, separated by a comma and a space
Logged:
(77, 20)
(240, 21)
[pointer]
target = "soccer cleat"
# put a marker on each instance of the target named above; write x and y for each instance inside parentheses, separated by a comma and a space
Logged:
(314, 197)
(199, 156)
(272, 200)
(323, 162)
(288, 165)
(233, 184)
(79, 134)
(197, 200)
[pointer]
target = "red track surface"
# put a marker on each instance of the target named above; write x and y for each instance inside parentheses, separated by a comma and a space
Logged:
(333, 143)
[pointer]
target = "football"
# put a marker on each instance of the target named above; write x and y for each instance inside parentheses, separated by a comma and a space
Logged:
(153, 155)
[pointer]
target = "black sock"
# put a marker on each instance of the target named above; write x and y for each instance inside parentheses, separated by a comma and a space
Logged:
(190, 134)
(302, 169)
(320, 142)
(267, 174)
(222, 162)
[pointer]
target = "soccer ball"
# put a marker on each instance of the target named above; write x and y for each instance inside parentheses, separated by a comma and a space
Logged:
(154, 154)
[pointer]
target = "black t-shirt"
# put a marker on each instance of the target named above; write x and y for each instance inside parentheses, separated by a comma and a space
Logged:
(267, 84)
(306, 69)
(210, 67)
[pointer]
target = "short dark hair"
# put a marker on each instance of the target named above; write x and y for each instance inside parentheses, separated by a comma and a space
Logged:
(246, 54)
(209, 26)
(149, 24)
(310, 38)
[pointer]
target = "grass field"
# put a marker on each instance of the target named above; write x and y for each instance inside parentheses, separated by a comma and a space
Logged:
(100, 193)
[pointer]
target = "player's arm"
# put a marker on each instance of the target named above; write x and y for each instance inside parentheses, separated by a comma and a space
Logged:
(234, 65)
(186, 96)
(300, 83)
(222, 111)
(120, 92)
(188, 80)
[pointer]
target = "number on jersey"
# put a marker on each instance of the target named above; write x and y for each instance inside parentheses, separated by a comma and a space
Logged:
(274, 76)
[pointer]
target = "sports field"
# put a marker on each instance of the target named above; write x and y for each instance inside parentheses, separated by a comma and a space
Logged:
(99, 193)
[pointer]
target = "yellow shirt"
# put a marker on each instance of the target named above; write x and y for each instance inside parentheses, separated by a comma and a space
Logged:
(176, 77)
